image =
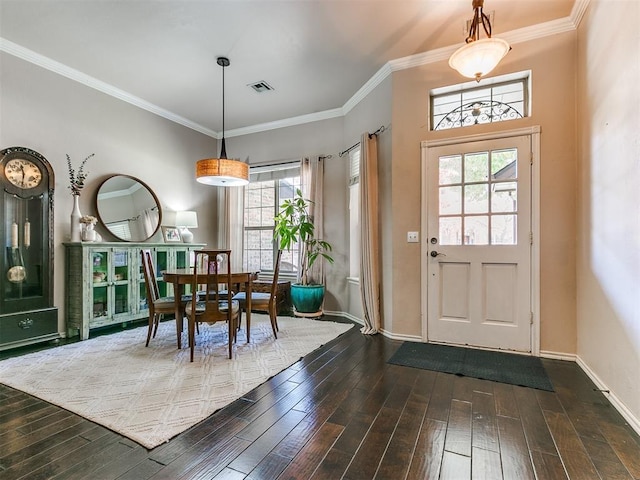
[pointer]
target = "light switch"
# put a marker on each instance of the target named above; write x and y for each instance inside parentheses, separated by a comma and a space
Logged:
(413, 237)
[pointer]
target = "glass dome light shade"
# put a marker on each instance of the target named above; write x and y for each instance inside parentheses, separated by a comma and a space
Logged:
(476, 59)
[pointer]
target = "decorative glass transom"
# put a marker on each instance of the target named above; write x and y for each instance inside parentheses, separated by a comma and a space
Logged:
(473, 106)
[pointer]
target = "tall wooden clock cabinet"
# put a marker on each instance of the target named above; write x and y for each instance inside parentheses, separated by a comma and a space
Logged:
(27, 313)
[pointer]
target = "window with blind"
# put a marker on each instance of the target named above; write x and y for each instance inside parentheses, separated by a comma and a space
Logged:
(354, 213)
(269, 186)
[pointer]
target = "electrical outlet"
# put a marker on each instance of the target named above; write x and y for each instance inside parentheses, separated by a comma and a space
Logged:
(413, 237)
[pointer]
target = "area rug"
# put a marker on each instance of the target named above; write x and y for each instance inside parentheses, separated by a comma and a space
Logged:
(501, 367)
(152, 394)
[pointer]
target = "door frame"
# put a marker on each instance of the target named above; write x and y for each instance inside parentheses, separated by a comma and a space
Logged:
(534, 133)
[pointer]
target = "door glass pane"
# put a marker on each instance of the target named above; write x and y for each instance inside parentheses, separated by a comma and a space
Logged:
(450, 231)
(450, 169)
(450, 200)
(476, 230)
(504, 230)
(504, 164)
(476, 199)
(504, 197)
(476, 167)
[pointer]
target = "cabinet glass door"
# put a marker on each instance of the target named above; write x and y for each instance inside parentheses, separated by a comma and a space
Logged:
(100, 272)
(120, 282)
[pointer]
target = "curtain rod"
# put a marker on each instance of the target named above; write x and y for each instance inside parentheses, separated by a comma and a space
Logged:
(380, 130)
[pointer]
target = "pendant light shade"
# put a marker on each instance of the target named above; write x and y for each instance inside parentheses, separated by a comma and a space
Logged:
(479, 57)
(222, 172)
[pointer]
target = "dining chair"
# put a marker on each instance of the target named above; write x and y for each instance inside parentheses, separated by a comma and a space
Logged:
(214, 303)
(263, 302)
(158, 305)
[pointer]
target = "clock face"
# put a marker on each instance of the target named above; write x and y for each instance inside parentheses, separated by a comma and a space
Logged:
(23, 173)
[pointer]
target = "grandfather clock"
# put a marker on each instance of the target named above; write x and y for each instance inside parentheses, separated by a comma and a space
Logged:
(27, 314)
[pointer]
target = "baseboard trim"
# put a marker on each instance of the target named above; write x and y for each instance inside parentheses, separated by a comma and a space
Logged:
(569, 357)
(615, 401)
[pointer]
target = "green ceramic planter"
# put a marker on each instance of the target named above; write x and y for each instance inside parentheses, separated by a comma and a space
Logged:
(307, 298)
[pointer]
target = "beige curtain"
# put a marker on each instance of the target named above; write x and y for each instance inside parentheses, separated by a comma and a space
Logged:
(369, 248)
(312, 178)
(231, 223)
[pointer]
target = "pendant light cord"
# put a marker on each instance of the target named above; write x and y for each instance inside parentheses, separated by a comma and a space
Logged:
(223, 62)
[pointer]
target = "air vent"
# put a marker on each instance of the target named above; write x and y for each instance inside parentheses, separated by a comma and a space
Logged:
(261, 86)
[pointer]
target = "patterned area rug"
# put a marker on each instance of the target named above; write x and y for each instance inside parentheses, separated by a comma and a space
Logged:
(152, 394)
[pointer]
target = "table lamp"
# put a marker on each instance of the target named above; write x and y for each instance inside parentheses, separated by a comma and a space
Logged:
(184, 221)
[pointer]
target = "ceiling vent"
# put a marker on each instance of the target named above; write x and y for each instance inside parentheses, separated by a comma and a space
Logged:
(261, 86)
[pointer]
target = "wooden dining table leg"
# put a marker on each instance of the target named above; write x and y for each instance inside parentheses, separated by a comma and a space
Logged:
(178, 289)
(247, 286)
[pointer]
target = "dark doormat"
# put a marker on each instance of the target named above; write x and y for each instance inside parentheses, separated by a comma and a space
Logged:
(469, 362)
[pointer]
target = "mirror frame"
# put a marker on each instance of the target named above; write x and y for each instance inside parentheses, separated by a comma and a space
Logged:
(143, 184)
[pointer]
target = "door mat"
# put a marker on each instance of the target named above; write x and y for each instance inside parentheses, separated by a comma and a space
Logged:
(501, 367)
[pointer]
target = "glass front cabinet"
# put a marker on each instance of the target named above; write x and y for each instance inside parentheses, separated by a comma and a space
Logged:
(105, 282)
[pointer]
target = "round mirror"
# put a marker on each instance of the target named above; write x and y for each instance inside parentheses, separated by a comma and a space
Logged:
(128, 208)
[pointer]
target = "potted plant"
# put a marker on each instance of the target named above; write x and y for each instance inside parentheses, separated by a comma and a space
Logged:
(295, 224)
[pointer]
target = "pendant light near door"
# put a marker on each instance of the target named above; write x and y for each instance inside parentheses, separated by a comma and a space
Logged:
(221, 171)
(478, 56)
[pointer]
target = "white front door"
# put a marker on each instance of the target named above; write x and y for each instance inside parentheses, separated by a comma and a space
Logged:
(478, 243)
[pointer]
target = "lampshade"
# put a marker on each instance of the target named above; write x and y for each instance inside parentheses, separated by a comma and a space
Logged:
(187, 219)
(479, 57)
(221, 171)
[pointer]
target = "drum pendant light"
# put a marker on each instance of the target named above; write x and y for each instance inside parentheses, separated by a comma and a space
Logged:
(221, 171)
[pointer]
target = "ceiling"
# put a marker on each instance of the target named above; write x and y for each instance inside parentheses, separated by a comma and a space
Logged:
(316, 54)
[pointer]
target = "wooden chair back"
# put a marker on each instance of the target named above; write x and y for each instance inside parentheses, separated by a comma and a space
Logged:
(150, 279)
(211, 276)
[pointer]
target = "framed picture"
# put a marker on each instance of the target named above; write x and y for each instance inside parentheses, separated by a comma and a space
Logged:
(171, 234)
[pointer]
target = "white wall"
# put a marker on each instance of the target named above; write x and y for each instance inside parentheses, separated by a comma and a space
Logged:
(609, 214)
(56, 116)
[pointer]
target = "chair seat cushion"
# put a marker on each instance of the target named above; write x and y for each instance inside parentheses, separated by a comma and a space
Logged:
(222, 306)
(183, 299)
(242, 296)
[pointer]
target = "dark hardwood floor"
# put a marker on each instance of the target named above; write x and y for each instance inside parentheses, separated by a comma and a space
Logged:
(342, 412)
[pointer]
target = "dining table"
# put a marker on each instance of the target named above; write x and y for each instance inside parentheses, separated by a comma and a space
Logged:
(180, 277)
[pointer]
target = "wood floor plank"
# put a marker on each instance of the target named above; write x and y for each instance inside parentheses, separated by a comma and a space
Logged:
(271, 466)
(312, 454)
(427, 455)
(514, 452)
(484, 424)
(506, 405)
(333, 466)
(397, 458)
(571, 449)
(486, 464)
(625, 444)
(547, 466)
(440, 401)
(459, 429)
(604, 458)
(368, 456)
(533, 422)
(455, 467)
(210, 447)
(260, 447)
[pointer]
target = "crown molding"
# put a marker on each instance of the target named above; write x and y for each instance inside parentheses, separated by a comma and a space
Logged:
(526, 34)
(89, 81)
(578, 11)
(287, 122)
